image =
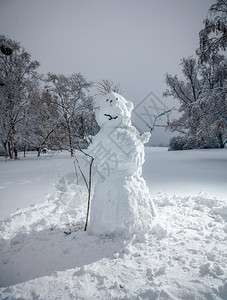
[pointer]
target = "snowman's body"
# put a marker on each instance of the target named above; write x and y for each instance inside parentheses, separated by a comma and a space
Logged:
(121, 201)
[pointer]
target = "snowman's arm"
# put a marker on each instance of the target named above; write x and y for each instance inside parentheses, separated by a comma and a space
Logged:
(145, 137)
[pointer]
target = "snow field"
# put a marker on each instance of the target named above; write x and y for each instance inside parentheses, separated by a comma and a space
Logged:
(28, 181)
(183, 257)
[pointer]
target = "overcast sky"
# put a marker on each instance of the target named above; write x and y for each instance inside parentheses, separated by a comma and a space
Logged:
(129, 41)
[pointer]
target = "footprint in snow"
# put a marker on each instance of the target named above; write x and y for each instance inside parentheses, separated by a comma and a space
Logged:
(25, 182)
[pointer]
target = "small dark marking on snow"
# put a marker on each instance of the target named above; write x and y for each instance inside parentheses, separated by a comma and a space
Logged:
(67, 232)
(110, 117)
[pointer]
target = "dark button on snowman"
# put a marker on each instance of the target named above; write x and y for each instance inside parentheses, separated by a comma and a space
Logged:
(121, 202)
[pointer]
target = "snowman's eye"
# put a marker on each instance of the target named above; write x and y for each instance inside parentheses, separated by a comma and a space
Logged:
(116, 98)
(107, 100)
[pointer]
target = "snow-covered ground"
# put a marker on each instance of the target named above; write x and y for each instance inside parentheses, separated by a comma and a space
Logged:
(183, 257)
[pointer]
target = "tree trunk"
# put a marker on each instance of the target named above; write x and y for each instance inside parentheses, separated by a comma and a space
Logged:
(39, 152)
(220, 137)
(24, 151)
(15, 146)
(15, 150)
(10, 151)
(5, 149)
(14, 140)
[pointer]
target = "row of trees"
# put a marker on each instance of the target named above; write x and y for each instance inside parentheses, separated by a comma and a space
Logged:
(56, 111)
(36, 111)
(202, 92)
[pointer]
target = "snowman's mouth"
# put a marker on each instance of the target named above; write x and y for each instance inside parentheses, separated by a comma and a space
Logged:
(110, 117)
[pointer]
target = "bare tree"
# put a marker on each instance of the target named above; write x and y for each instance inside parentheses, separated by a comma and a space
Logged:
(75, 107)
(44, 122)
(105, 86)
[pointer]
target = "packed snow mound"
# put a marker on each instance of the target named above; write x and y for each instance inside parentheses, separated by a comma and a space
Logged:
(182, 257)
(121, 201)
(58, 210)
(115, 108)
(127, 209)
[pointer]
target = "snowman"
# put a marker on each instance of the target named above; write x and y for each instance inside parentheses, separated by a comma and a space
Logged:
(121, 202)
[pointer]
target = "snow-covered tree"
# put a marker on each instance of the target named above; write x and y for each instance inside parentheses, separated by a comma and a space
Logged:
(214, 99)
(187, 91)
(45, 121)
(18, 78)
(202, 95)
(213, 37)
(75, 108)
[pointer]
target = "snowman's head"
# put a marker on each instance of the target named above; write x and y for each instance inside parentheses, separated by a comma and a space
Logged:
(114, 111)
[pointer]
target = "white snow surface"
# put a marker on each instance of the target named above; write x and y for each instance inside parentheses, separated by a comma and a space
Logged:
(184, 256)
